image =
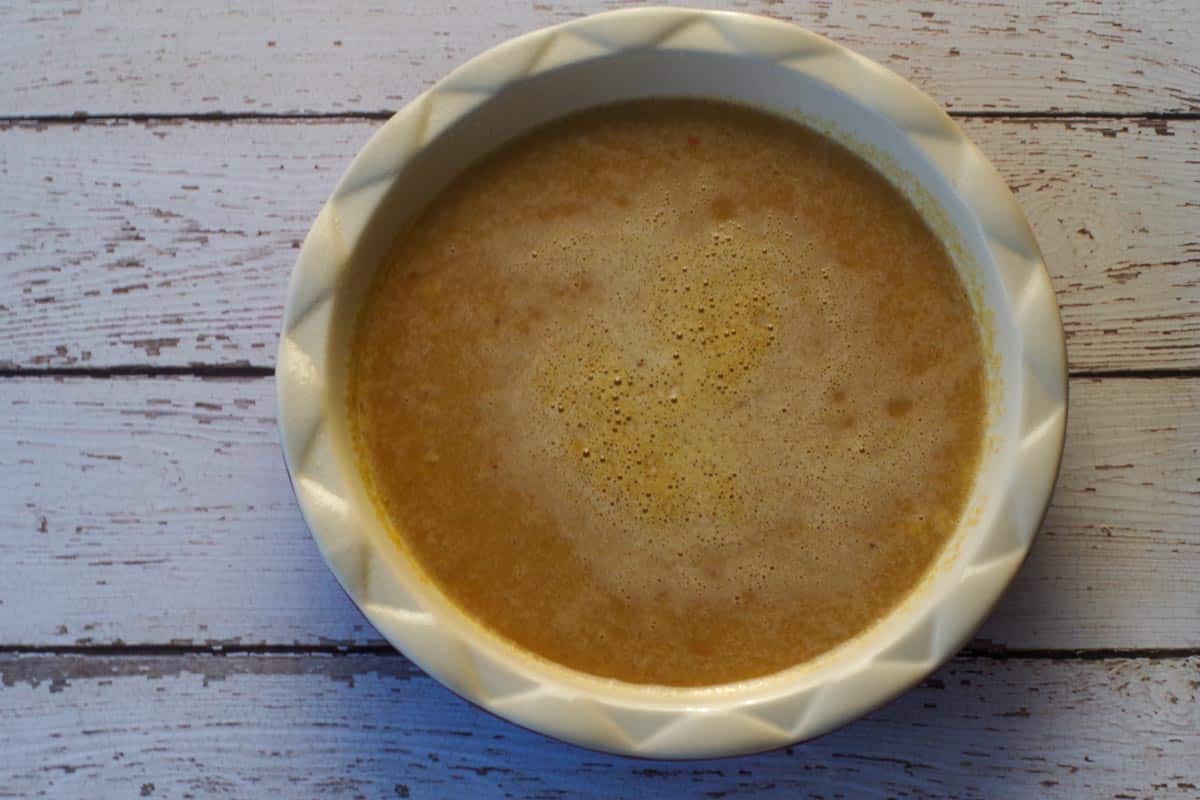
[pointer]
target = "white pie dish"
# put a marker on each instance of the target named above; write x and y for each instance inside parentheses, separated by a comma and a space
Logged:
(676, 52)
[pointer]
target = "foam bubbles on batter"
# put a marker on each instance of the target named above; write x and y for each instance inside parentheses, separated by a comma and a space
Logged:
(696, 381)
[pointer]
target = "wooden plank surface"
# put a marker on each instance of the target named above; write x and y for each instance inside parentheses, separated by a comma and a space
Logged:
(162, 238)
(129, 495)
(125, 495)
(170, 244)
(361, 726)
(122, 56)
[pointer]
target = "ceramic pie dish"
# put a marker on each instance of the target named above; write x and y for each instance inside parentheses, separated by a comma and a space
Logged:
(656, 53)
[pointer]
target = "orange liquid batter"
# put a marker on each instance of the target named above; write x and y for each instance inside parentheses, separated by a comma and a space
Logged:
(673, 392)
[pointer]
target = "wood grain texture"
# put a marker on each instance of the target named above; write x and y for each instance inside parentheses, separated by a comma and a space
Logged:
(156, 511)
(119, 56)
(125, 495)
(367, 727)
(170, 244)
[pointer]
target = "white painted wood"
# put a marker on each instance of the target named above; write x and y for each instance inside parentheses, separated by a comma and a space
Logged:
(159, 244)
(119, 56)
(1119, 550)
(170, 243)
(359, 726)
(156, 511)
(150, 511)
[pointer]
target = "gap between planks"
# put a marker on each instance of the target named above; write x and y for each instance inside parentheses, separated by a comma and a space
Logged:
(976, 650)
(228, 371)
(83, 117)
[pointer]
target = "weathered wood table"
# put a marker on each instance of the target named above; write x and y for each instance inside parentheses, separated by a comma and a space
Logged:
(167, 627)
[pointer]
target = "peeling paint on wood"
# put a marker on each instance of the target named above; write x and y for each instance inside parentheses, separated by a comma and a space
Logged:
(184, 491)
(113, 263)
(133, 249)
(300, 726)
(1125, 56)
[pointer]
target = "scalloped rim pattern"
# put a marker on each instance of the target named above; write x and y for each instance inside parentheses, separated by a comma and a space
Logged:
(607, 715)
